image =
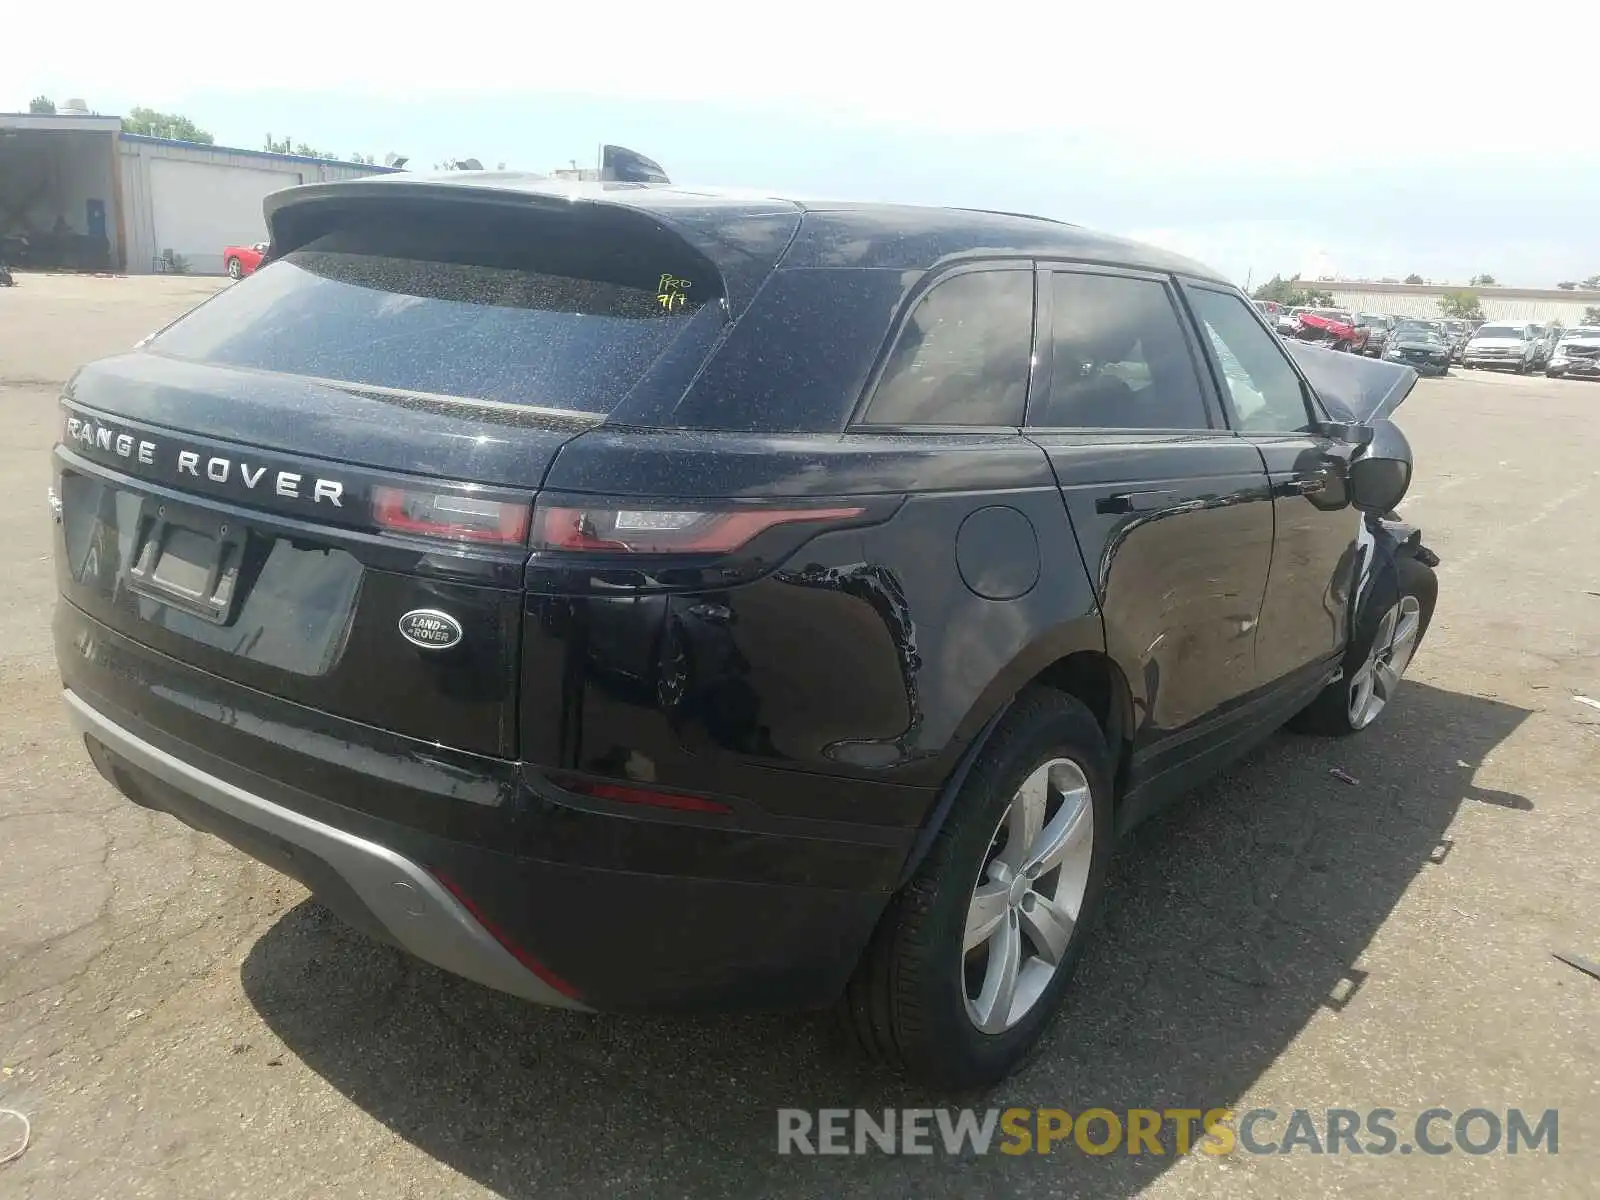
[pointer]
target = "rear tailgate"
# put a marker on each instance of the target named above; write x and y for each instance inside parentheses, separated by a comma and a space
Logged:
(318, 484)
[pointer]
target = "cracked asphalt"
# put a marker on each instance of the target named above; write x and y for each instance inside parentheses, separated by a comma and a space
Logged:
(178, 1021)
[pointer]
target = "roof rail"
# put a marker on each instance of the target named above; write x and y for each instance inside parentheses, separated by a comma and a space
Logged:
(1001, 212)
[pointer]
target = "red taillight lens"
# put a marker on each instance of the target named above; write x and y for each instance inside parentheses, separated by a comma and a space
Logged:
(617, 530)
(458, 516)
(624, 794)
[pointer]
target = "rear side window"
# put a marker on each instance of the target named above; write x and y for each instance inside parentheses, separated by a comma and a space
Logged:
(550, 314)
(963, 356)
(1118, 358)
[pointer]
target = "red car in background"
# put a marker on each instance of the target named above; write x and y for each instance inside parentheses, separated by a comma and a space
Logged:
(1333, 327)
(242, 260)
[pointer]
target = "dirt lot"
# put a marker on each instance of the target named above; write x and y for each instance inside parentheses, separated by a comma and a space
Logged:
(180, 1022)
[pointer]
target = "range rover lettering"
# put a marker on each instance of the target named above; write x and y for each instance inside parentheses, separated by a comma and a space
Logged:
(635, 597)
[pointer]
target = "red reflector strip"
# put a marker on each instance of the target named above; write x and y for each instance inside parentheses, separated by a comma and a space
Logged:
(517, 952)
(651, 531)
(459, 517)
(630, 795)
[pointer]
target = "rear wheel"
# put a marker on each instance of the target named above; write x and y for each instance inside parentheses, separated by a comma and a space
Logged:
(235, 269)
(971, 960)
(1389, 629)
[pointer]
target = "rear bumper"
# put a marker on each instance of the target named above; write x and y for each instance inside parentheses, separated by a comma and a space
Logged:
(481, 866)
(372, 887)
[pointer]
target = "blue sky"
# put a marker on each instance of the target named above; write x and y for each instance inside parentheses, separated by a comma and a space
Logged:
(1252, 137)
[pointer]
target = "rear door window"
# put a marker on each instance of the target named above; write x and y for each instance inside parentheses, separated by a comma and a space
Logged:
(964, 355)
(1119, 358)
(483, 308)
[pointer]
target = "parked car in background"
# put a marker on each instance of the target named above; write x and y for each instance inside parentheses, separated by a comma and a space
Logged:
(1332, 327)
(1577, 353)
(1378, 328)
(1501, 345)
(1420, 345)
(1456, 333)
(1545, 346)
(1288, 321)
(243, 260)
(1269, 309)
(576, 650)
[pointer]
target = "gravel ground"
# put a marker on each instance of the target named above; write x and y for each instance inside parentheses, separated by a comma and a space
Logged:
(181, 1022)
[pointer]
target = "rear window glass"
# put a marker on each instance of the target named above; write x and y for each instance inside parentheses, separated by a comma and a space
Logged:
(551, 315)
(963, 358)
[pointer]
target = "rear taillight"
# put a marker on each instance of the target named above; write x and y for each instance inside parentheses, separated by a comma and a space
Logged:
(457, 516)
(614, 529)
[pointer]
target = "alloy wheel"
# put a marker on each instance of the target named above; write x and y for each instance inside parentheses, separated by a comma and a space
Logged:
(1028, 895)
(1373, 685)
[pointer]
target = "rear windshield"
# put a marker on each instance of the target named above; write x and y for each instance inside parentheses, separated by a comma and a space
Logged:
(553, 316)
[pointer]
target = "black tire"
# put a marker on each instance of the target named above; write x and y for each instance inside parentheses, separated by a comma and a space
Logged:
(1554, 374)
(1329, 714)
(235, 268)
(906, 1004)
(1342, 347)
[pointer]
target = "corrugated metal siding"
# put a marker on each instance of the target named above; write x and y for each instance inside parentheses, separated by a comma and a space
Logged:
(140, 195)
(1538, 310)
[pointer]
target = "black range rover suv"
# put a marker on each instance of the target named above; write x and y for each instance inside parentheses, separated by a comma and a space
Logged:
(636, 598)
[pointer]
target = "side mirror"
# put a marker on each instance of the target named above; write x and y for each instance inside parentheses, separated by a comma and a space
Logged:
(1351, 432)
(1381, 472)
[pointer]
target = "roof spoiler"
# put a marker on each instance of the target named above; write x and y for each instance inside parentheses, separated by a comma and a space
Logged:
(741, 252)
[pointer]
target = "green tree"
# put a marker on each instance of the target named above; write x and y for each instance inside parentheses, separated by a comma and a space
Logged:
(1413, 278)
(165, 125)
(305, 150)
(1481, 281)
(1291, 294)
(1462, 304)
(1592, 282)
(1591, 315)
(42, 105)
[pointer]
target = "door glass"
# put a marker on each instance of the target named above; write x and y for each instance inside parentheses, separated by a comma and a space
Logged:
(963, 357)
(1267, 395)
(1118, 356)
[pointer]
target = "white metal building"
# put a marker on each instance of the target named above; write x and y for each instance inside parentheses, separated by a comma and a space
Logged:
(1539, 306)
(187, 201)
(77, 193)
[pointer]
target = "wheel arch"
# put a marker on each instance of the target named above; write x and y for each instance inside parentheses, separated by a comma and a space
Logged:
(1089, 675)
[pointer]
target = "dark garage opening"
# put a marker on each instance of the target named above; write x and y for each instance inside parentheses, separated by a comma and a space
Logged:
(58, 196)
